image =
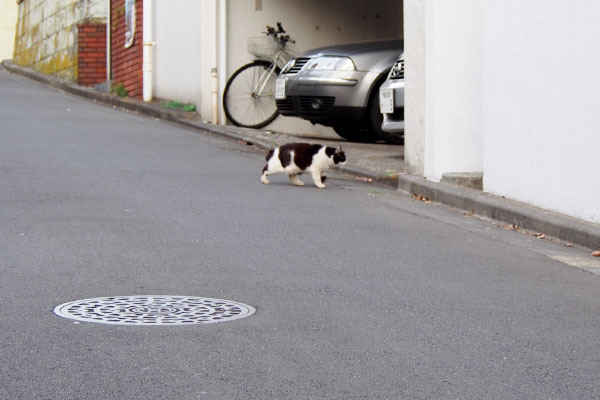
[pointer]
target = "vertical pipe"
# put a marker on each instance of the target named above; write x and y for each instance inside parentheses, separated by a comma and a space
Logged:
(222, 55)
(148, 42)
(214, 69)
(108, 39)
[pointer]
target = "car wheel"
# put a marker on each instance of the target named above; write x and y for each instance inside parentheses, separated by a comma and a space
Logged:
(376, 119)
(354, 134)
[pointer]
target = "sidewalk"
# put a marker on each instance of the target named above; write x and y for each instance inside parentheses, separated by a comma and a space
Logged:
(380, 164)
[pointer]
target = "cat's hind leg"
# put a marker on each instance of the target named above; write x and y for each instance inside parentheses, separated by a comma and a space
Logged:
(295, 180)
(316, 175)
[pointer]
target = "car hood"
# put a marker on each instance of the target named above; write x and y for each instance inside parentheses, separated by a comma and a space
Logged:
(375, 56)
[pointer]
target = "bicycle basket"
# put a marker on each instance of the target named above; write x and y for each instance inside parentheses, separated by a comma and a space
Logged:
(263, 46)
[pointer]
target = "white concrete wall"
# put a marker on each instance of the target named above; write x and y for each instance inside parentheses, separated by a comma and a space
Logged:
(542, 102)
(444, 87)
(509, 88)
(415, 46)
(180, 26)
(184, 36)
(8, 23)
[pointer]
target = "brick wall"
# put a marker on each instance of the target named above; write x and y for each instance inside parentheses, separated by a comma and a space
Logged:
(91, 53)
(126, 62)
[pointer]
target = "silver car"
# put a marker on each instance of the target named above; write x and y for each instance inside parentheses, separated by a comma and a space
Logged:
(391, 103)
(338, 86)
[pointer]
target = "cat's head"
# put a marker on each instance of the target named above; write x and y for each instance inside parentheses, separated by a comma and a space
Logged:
(338, 155)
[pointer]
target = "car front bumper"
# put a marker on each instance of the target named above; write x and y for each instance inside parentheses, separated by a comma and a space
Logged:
(327, 97)
(394, 121)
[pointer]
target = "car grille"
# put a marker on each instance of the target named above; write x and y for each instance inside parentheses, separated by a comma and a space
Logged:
(298, 65)
(304, 105)
(397, 71)
(398, 114)
(285, 106)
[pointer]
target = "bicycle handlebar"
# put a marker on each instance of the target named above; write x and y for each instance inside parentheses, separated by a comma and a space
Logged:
(278, 34)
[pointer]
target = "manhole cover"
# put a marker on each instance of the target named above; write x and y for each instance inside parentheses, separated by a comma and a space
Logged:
(153, 310)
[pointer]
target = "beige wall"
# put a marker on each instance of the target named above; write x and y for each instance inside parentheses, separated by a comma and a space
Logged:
(8, 22)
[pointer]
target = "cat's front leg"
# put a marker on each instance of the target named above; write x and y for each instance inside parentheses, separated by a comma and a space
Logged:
(295, 180)
(316, 175)
(264, 179)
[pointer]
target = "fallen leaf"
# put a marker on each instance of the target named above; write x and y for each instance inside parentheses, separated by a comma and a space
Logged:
(512, 227)
(422, 198)
(596, 253)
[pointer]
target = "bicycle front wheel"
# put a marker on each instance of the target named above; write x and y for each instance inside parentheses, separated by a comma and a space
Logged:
(244, 102)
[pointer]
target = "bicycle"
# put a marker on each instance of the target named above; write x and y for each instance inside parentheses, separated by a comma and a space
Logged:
(249, 95)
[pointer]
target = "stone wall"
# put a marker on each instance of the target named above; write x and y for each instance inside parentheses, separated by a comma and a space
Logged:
(46, 37)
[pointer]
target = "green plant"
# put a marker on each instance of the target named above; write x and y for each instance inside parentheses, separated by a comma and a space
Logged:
(178, 105)
(119, 90)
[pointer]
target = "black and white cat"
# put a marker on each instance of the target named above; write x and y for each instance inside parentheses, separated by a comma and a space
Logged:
(298, 158)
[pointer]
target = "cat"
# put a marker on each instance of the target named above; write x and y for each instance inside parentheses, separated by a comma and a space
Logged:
(299, 158)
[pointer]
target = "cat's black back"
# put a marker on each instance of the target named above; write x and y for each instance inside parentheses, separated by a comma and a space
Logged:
(303, 154)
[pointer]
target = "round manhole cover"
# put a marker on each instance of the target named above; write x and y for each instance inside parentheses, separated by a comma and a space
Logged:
(153, 310)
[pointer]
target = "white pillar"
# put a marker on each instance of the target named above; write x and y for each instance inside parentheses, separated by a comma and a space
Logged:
(444, 125)
(148, 42)
(222, 72)
(214, 66)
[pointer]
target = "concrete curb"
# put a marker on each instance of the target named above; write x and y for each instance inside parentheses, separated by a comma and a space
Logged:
(511, 212)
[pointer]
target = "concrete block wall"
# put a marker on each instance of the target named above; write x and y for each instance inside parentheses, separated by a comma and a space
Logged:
(126, 63)
(46, 37)
(91, 53)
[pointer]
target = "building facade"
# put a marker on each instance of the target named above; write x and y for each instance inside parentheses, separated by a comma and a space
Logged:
(507, 90)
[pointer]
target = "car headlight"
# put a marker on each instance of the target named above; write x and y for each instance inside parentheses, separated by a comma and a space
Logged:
(331, 63)
(288, 66)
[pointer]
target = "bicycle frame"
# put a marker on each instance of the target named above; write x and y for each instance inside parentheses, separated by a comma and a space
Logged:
(265, 76)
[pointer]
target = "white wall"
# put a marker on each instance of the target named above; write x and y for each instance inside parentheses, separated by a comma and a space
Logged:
(415, 45)
(180, 26)
(443, 87)
(542, 102)
(510, 88)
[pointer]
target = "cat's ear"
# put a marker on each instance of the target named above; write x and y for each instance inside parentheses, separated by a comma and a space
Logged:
(339, 149)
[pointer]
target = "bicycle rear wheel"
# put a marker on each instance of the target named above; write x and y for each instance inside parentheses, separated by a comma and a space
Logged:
(241, 102)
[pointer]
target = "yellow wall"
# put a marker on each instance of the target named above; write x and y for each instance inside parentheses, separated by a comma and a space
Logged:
(8, 22)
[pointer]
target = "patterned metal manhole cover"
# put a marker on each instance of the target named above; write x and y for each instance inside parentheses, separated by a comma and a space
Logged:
(153, 310)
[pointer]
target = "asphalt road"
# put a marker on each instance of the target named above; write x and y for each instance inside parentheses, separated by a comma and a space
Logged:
(360, 292)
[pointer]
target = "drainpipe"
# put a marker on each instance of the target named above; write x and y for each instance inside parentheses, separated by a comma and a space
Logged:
(214, 70)
(147, 43)
(108, 44)
(222, 72)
